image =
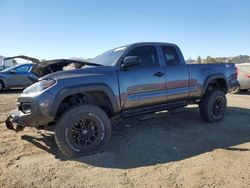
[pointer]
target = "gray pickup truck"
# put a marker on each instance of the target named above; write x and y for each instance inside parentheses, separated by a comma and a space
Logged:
(126, 81)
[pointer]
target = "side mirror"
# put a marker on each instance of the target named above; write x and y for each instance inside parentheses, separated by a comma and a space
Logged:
(131, 61)
(13, 71)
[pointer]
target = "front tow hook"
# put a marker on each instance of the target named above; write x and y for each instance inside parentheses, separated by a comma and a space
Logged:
(12, 123)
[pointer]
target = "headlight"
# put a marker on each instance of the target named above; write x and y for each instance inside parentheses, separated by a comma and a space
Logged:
(39, 86)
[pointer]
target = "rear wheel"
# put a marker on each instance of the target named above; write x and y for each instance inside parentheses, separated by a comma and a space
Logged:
(213, 106)
(82, 130)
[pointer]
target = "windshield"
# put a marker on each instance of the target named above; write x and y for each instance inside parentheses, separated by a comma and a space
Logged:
(108, 58)
(9, 68)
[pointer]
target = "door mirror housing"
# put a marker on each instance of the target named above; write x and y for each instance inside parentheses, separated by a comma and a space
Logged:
(130, 61)
(13, 71)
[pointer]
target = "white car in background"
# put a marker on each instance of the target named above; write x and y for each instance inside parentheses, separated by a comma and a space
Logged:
(243, 77)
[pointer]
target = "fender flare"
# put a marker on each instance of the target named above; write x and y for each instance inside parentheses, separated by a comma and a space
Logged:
(65, 92)
(211, 78)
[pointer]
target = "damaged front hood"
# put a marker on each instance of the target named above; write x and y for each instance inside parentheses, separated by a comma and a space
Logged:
(43, 68)
(80, 73)
(46, 67)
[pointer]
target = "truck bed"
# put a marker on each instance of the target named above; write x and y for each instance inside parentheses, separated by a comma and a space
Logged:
(200, 73)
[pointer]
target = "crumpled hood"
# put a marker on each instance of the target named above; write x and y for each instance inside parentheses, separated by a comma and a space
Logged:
(89, 71)
(47, 67)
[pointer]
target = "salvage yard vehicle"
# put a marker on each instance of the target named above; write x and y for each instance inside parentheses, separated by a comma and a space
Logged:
(126, 81)
(16, 76)
(24, 75)
(243, 70)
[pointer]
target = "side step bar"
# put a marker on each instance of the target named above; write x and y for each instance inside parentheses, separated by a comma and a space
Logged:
(151, 109)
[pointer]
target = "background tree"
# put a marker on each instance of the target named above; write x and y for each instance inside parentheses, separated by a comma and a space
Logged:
(209, 59)
(199, 60)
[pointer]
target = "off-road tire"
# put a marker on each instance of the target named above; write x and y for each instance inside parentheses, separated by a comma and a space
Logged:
(208, 106)
(70, 119)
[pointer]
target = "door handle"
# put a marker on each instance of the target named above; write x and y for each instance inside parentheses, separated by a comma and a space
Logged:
(159, 74)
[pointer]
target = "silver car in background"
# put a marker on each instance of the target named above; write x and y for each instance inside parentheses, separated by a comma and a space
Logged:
(17, 76)
(243, 77)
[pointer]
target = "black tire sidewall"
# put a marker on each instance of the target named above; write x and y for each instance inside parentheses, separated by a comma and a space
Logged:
(211, 106)
(70, 117)
(206, 106)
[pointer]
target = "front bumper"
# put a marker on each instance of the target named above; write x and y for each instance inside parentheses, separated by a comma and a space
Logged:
(14, 123)
(18, 121)
(34, 118)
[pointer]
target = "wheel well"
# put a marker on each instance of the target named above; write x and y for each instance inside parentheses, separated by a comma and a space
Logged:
(218, 83)
(97, 98)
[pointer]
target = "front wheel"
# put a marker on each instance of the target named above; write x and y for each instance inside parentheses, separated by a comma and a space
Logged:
(213, 106)
(1, 85)
(83, 130)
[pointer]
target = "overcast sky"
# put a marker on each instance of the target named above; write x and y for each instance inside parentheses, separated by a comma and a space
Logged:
(62, 29)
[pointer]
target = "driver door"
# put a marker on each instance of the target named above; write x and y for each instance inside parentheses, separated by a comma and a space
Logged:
(143, 84)
(19, 77)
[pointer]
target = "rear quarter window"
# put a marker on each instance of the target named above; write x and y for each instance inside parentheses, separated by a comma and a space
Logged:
(170, 55)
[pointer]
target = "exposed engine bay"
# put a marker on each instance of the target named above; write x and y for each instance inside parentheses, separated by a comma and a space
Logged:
(42, 68)
(46, 67)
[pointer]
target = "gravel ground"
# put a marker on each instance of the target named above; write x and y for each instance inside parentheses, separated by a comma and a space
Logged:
(168, 150)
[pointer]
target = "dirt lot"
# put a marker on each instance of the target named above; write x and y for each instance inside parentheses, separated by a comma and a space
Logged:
(170, 150)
